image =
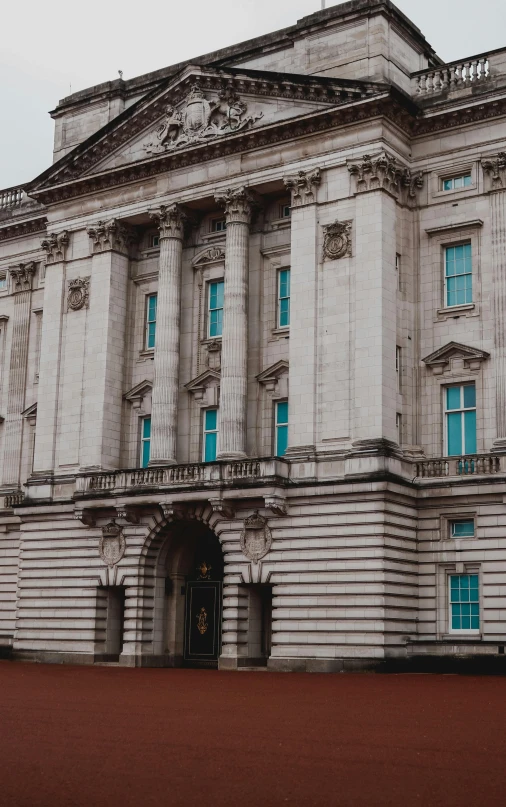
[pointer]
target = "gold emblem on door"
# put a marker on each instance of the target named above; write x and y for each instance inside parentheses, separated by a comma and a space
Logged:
(202, 621)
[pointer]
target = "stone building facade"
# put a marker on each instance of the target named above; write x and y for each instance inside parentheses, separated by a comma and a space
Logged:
(253, 360)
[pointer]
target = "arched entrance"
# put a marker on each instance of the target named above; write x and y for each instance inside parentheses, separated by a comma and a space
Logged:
(190, 579)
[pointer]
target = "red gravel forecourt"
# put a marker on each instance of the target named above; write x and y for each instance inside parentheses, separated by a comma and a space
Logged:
(93, 736)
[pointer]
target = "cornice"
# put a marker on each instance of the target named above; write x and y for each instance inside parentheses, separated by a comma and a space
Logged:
(20, 228)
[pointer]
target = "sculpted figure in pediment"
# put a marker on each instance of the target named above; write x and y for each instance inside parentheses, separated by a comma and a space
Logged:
(200, 120)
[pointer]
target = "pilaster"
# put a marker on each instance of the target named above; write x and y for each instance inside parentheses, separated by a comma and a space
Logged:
(238, 204)
(55, 247)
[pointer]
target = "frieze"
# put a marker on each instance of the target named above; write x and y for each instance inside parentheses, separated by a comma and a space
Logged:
(200, 120)
(337, 240)
(55, 247)
(256, 537)
(17, 229)
(112, 544)
(78, 293)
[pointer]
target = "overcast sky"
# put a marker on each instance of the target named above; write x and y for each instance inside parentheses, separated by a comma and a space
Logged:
(51, 48)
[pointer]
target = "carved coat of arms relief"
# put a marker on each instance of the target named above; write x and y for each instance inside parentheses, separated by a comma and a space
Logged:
(199, 120)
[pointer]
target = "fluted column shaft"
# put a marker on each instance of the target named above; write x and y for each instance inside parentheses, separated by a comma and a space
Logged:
(238, 204)
(498, 210)
(165, 395)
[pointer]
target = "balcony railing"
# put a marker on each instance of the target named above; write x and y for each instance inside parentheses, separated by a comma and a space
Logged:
(180, 476)
(472, 465)
(12, 197)
(451, 76)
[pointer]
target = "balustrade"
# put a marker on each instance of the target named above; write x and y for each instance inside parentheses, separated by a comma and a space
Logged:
(452, 76)
(473, 465)
(11, 197)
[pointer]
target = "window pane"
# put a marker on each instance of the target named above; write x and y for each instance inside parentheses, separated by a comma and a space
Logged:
(447, 184)
(145, 453)
(151, 334)
(146, 428)
(463, 529)
(453, 398)
(282, 412)
(469, 396)
(469, 432)
(284, 313)
(152, 300)
(467, 180)
(454, 426)
(454, 582)
(475, 623)
(211, 419)
(282, 440)
(473, 580)
(210, 447)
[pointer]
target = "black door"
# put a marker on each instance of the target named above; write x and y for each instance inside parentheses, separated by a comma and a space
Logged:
(202, 623)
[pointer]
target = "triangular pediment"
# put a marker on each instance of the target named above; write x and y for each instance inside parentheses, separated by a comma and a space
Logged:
(273, 372)
(205, 379)
(455, 350)
(30, 412)
(196, 109)
(139, 391)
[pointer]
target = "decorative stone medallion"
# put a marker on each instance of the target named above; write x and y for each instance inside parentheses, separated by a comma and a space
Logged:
(256, 537)
(79, 293)
(112, 544)
(337, 240)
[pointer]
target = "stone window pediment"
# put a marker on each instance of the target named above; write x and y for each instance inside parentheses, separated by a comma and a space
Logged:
(30, 414)
(137, 394)
(209, 256)
(205, 388)
(275, 379)
(455, 356)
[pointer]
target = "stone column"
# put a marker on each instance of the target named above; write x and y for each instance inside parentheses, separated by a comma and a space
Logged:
(22, 277)
(55, 246)
(495, 179)
(164, 407)
(238, 204)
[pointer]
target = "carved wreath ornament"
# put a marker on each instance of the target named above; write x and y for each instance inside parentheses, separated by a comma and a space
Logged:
(112, 544)
(337, 240)
(256, 537)
(79, 293)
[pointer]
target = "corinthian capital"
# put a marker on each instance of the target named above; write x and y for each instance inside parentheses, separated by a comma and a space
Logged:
(55, 246)
(303, 186)
(495, 170)
(111, 235)
(239, 204)
(170, 220)
(22, 276)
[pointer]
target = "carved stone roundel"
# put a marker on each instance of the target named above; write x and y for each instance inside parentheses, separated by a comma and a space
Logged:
(256, 537)
(337, 242)
(78, 295)
(112, 544)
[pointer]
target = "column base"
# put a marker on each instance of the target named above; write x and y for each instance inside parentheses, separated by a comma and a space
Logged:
(232, 455)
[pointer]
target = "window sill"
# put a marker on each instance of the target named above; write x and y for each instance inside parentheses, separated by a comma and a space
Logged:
(147, 354)
(282, 224)
(210, 339)
(464, 634)
(281, 331)
(150, 252)
(451, 312)
(214, 236)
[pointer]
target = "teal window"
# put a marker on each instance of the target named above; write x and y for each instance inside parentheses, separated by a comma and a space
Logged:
(464, 602)
(281, 426)
(285, 211)
(150, 320)
(458, 275)
(462, 529)
(215, 312)
(145, 441)
(210, 435)
(460, 420)
(3, 281)
(155, 240)
(218, 225)
(455, 183)
(284, 298)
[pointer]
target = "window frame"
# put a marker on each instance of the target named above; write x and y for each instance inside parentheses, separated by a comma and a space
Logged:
(456, 176)
(446, 247)
(218, 225)
(278, 425)
(209, 283)
(205, 431)
(282, 211)
(461, 520)
(4, 277)
(459, 385)
(463, 631)
(143, 440)
(148, 322)
(283, 269)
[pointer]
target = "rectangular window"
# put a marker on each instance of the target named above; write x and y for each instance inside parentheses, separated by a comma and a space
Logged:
(281, 425)
(155, 240)
(145, 441)
(398, 427)
(210, 441)
(458, 275)
(218, 225)
(151, 300)
(462, 529)
(464, 602)
(460, 404)
(284, 298)
(455, 183)
(3, 282)
(398, 366)
(215, 312)
(398, 270)
(285, 212)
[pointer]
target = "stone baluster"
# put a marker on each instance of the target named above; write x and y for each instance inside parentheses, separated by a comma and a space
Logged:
(22, 278)
(238, 204)
(170, 221)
